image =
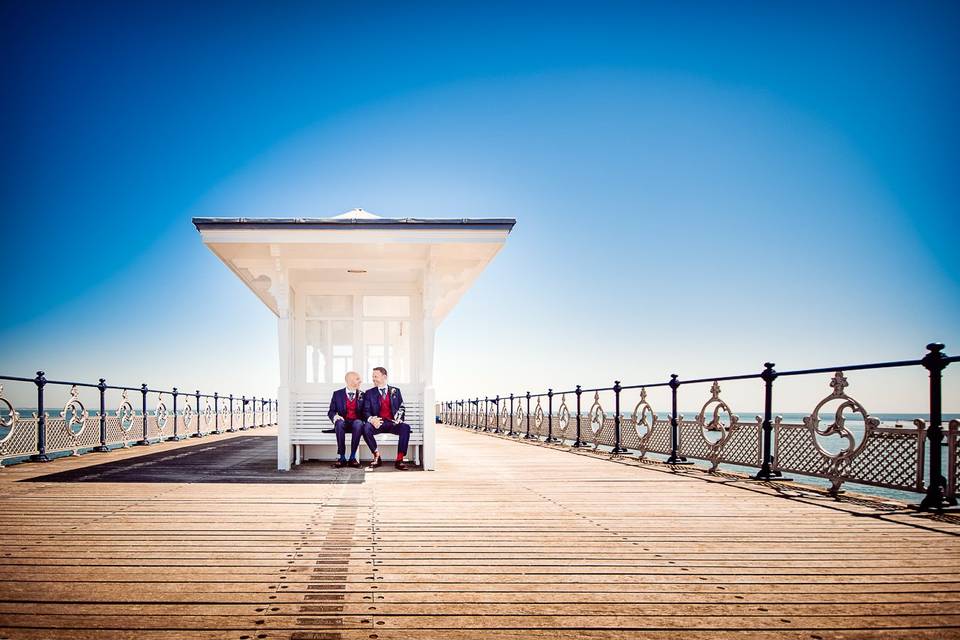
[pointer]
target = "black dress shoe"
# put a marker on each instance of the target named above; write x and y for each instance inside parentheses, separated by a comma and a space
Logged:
(400, 465)
(376, 462)
(338, 464)
(353, 463)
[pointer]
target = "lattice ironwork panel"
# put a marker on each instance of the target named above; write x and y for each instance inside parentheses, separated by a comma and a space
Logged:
(659, 439)
(116, 434)
(890, 458)
(628, 433)
(743, 446)
(797, 451)
(605, 434)
(693, 444)
(954, 449)
(60, 437)
(20, 439)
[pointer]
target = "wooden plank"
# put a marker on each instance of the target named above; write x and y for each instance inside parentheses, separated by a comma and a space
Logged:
(204, 539)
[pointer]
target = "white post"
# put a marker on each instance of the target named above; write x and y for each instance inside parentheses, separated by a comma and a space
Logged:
(429, 331)
(284, 341)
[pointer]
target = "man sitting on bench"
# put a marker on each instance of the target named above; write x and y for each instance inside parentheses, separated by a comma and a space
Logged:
(346, 413)
(383, 406)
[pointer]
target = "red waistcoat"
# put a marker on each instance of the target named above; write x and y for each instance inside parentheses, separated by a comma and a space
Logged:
(385, 412)
(351, 407)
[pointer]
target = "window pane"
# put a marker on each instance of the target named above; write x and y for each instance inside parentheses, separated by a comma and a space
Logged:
(374, 347)
(386, 306)
(342, 334)
(398, 339)
(316, 351)
(337, 306)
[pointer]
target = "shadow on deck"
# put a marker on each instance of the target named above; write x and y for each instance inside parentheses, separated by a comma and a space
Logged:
(243, 459)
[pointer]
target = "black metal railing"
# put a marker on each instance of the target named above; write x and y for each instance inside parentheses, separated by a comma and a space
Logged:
(133, 421)
(882, 455)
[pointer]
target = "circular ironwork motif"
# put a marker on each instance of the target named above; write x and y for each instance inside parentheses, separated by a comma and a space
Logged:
(188, 413)
(126, 413)
(563, 416)
(74, 413)
(596, 415)
(161, 413)
(8, 417)
(643, 416)
(836, 440)
(716, 429)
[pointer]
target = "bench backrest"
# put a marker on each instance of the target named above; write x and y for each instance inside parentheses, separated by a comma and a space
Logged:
(310, 419)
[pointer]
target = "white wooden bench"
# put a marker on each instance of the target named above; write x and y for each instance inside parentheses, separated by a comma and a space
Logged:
(311, 443)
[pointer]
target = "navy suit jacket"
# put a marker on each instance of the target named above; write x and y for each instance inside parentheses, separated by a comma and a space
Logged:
(338, 405)
(371, 401)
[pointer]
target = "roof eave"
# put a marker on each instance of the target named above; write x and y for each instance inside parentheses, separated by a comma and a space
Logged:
(489, 224)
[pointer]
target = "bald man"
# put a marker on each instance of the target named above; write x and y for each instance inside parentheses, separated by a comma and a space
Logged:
(346, 413)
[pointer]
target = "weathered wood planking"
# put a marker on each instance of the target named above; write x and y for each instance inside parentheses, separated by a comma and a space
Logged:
(203, 539)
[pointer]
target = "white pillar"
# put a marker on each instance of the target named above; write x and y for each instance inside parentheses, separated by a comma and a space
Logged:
(429, 331)
(284, 397)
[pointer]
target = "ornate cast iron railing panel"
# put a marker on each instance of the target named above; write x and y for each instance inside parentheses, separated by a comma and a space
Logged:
(883, 456)
(79, 427)
(887, 456)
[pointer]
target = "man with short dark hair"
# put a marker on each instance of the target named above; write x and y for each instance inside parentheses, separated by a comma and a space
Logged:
(383, 406)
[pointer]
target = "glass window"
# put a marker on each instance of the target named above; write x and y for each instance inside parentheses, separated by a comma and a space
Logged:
(374, 346)
(386, 306)
(398, 341)
(316, 351)
(342, 335)
(327, 306)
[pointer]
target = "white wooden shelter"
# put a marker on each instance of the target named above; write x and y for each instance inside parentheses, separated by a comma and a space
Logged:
(353, 292)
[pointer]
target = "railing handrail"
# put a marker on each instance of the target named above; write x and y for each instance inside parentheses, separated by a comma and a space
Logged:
(91, 385)
(747, 376)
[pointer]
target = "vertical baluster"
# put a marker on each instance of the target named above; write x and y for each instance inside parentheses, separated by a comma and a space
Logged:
(41, 454)
(496, 427)
(143, 410)
(510, 433)
(102, 386)
(768, 376)
(216, 412)
(550, 437)
(937, 496)
(231, 429)
(199, 414)
(578, 442)
(617, 443)
(528, 436)
(243, 413)
(253, 408)
(675, 457)
(486, 413)
(176, 418)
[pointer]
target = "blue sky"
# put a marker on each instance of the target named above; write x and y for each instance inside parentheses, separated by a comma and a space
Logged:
(698, 189)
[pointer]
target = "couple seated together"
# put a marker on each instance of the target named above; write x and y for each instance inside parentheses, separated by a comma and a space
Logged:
(377, 410)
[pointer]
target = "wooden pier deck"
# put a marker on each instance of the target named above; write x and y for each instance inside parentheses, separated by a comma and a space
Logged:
(203, 539)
